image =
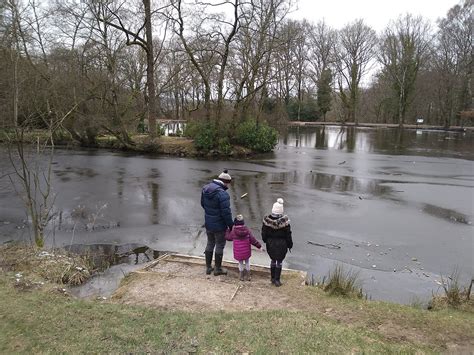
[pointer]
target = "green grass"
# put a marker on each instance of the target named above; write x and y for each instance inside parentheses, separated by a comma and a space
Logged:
(36, 318)
(342, 283)
(38, 321)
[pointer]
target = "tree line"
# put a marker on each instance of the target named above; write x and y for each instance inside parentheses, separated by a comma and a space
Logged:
(116, 66)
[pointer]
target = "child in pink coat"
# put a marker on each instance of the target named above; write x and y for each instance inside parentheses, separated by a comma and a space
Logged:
(242, 239)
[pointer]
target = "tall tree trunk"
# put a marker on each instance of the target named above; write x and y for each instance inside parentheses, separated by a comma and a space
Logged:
(15, 56)
(225, 56)
(353, 107)
(207, 101)
(354, 92)
(15, 87)
(150, 80)
(401, 117)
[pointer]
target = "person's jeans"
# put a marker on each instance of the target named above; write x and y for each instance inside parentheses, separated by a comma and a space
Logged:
(215, 239)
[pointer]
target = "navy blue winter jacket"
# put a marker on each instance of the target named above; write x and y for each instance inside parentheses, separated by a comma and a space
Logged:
(216, 203)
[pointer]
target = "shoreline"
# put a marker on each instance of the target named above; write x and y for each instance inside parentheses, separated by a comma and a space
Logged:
(184, 147)
(381, 125)
(164, 145)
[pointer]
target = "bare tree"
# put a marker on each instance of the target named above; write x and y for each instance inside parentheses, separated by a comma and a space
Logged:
(217, 41)
(354, 52)
(111, 47)
(254, 55)
(34, 175)
(286, 61)
(322, 41)
(34, 179)
(321, 58)
(403, 49)
(143, 37)
(453, 61)
(300, 55)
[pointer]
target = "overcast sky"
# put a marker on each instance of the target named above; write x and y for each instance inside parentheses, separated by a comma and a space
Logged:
(376, 13)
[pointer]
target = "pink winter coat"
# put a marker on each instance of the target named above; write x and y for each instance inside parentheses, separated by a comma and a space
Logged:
(242, 238)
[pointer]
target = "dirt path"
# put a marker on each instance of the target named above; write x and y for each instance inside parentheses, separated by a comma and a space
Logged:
(176, 283)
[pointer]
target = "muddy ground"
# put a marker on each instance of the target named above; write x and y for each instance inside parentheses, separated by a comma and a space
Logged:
(179, 283)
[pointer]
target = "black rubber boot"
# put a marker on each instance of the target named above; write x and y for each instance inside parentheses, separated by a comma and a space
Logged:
(272, 272)
(249, 278)
(241, 275)
(218, 270)
(277, 282)
(209, 268)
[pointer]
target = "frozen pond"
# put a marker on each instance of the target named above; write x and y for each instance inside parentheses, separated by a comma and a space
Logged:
(399, 204)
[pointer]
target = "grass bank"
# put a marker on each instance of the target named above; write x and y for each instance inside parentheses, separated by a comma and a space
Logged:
(45, 320)
(38, 315)
(39, 322)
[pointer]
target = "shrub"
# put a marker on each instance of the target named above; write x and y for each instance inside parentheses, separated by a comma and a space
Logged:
(261, 138)
(204, 135)
(308, 110)
(191, 129)
(141, 127)
(224, 146)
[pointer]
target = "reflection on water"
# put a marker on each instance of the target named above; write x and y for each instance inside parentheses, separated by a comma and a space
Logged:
(120, 175)
(110, 191)
(103, 256)
(323, 137)
(333, 183)
(383, 140)
(113, 262)
(153, 188)
(69, 173)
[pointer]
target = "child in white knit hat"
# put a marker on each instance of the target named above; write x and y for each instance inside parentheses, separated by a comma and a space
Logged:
(276, 234)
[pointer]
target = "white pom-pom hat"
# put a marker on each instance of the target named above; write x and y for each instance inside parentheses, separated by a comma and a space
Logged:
(278, 207)
(225, 177)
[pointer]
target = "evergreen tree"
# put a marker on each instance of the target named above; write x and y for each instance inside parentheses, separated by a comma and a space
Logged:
(324, 92)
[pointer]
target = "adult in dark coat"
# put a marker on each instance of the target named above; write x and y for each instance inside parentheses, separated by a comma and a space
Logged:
(218, 218)
(276, 234)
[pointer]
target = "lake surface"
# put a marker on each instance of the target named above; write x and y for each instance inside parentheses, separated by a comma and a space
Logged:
(397, 206)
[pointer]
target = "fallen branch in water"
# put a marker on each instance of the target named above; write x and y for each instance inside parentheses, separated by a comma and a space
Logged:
(328, 245)
(6, 175)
